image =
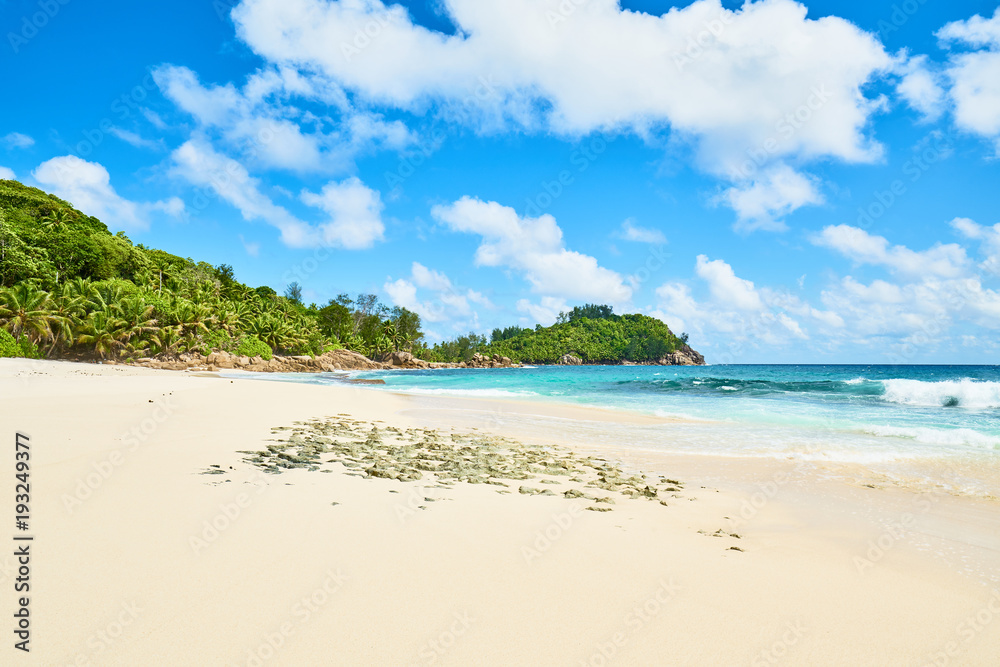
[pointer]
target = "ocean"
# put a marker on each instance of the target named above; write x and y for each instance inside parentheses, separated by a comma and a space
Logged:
(880, 415)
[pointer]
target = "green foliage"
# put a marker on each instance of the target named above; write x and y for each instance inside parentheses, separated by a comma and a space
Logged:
(606, 338)
(591, 311)
(70, 287)
(20, 347)
(254, 347)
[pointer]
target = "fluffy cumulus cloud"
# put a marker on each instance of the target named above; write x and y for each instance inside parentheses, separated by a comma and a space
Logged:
(946, 261)
(762, 201)
(988, 238)
(926, 300)
(443, 301)
(726, 287)
(967, 84)
(974, 74)
(921, 86)
(261, 121)
(755, 90)
(87, 185)
(534, 248)
(6, 173)
(735, 315)
(354, 210)
(355, 214)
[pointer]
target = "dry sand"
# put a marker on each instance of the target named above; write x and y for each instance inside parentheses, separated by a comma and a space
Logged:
(140, 558)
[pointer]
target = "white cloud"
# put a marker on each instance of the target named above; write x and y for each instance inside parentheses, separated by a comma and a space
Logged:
(975, 74)
(154, 118)
(449, 303)
(198, 163)
(945, 261)
(6, 174)
(921, 86)
(17, 140)
(736, 315)
(355, 214)
(762, 85)
(989, 238)
(760, 203)
(726, 287)
(87, 185)
(429, 278)
(136, 140)
(260, 121)
(534, 247)
(632, 232)
(931, 301)
(354, 210)
(545, 311)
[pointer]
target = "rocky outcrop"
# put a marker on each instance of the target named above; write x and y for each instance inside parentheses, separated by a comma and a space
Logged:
(570, 360)
(482, 361)
(686, 356)
(406, 360)
(335, 360)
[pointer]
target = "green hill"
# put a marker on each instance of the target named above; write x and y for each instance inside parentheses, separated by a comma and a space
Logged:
(593, 334)
(70, 288)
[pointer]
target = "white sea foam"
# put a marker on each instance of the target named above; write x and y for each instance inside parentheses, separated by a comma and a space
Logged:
(964, 393)
(855, 381)
(938, 436)
(481, 393)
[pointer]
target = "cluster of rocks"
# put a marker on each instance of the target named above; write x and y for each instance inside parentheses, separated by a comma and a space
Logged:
(366, 450)
(483, 361)
(335, 360)
(686, 356)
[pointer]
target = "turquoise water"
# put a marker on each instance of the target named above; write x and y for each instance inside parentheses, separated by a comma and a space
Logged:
(855, 413)
(937, 423)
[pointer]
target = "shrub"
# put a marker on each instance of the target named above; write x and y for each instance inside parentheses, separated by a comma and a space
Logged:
(8, 346)
(22, 347)
(254, 347)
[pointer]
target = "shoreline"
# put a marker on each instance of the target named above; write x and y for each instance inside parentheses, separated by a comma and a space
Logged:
(389, 583)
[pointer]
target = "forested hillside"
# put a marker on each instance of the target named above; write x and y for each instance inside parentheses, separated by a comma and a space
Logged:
(70, 288)
(592, 333)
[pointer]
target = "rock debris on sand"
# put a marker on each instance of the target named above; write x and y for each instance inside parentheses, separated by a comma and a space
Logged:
(444, 459)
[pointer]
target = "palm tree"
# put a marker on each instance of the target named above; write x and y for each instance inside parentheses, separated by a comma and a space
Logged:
(102, 331)
(65, 309)
(56, 219)
(395, 336)
(165, 340)
(137, 319)
(24, 310)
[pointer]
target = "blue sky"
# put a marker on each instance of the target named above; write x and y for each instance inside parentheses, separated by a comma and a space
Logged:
(786, 182)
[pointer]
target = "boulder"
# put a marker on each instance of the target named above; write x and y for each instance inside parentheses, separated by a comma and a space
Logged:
(401, 358)
(683, 357)
(570, 360)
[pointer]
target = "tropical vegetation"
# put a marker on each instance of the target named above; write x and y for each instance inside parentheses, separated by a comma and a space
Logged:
(70, 288)
(591, 332)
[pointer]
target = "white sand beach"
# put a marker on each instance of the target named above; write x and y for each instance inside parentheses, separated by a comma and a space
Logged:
(139, 558)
